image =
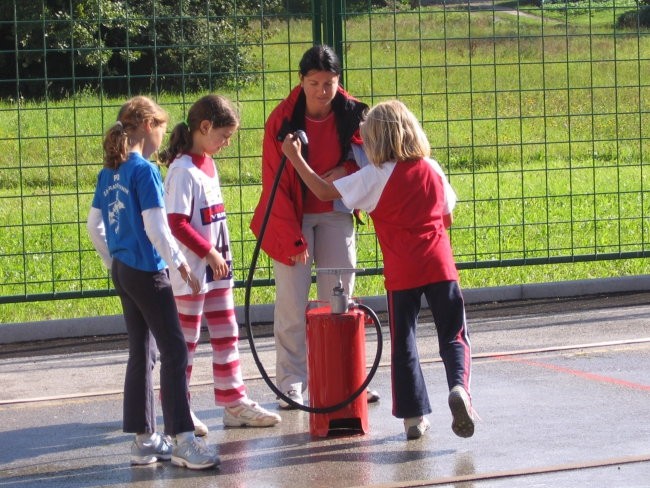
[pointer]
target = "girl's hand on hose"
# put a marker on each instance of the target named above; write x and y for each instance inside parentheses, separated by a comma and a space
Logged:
(291, 147)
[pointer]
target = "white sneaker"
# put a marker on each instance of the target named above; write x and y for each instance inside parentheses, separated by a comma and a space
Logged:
(294, 395)
(249, 414)
(373, 395)
(194, 454)
(200, 429)
(415, 427)
(158, 449)
(462, 412)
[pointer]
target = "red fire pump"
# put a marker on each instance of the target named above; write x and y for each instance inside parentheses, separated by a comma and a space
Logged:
(336, 361)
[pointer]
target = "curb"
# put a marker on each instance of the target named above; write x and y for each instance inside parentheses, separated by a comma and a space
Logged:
(114, 324)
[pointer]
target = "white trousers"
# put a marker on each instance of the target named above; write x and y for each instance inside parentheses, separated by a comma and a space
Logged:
(331, 244)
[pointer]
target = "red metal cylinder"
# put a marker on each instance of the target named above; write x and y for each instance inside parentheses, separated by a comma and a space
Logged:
(336, 358)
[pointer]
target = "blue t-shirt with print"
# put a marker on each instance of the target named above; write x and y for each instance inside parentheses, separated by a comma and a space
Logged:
(122, 195)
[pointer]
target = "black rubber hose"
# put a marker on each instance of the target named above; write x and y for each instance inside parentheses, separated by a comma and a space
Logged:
(249, 328)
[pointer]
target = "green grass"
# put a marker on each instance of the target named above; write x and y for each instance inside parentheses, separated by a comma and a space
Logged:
(538, 121)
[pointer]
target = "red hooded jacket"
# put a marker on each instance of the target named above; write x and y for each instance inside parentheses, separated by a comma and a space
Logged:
(283, 236)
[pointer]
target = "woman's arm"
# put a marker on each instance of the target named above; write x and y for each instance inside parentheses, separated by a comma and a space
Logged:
(324, 190)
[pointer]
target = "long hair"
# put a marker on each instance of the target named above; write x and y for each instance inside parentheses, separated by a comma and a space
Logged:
(391, 132)
(130, 118)
(214, 108)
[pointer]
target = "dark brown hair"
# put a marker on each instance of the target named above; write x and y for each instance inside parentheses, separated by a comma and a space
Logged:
(215, 108)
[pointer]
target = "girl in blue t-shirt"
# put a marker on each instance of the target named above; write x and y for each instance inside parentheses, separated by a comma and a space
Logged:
(128, 227)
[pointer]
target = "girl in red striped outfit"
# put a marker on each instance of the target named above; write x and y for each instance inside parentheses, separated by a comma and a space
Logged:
(410, 202)
(197, 218)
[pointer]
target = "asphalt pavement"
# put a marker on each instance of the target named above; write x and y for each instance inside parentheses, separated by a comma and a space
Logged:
(561, 386)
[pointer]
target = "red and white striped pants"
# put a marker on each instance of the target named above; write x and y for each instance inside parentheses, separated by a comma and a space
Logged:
(219, 309)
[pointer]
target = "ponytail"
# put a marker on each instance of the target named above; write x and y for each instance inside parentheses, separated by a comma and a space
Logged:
(180, 141)
(129, 120)
(116, 148)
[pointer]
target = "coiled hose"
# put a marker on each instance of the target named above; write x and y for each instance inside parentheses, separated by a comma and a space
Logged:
(251, 340)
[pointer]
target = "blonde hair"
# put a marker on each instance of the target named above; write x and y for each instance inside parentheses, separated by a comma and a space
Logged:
(391, 132)
(131, 116)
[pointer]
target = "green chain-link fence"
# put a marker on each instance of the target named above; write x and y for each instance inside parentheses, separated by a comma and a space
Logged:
(539, 113)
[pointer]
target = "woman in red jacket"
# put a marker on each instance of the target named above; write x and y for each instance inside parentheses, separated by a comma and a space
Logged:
(302, 229)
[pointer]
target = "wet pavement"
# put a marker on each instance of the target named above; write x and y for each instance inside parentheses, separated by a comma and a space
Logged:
(562, 387)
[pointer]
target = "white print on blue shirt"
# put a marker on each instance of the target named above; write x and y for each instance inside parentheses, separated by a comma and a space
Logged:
(114, 209)
(116, 206)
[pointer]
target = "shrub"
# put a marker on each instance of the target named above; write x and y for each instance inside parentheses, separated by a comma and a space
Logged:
(129, 46)
(634, 19)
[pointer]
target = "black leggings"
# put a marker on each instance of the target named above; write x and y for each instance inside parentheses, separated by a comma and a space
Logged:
(152, 319)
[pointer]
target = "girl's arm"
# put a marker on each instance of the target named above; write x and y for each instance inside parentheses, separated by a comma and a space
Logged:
(97, 231)
(447, 220)
(157, 230)
(324, 190)
(183, 231)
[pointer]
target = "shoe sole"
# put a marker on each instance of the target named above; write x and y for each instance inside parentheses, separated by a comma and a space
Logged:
(462, 424)
(250, 423)
(287, 406)
(144, 460)
(184, 463)
(149, 459)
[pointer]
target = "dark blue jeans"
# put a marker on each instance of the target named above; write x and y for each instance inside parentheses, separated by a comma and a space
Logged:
(410, 397)
(152, 320)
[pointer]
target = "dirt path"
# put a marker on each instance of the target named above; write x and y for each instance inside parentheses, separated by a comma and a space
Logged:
(477, 5)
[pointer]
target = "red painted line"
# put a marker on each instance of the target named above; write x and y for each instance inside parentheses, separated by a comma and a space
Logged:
(578, 373)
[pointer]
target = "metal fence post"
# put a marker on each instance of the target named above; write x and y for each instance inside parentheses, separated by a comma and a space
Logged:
(332, 25)
(316, 22)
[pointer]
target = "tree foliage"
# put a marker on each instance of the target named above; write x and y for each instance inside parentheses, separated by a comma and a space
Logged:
(58, 47)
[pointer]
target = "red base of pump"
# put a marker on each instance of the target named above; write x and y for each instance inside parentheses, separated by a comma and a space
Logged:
(336, 358)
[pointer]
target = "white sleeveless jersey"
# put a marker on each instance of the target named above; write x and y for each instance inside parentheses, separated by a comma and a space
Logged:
(189, 191)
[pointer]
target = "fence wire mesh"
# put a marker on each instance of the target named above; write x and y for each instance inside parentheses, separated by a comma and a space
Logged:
(538, 112)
